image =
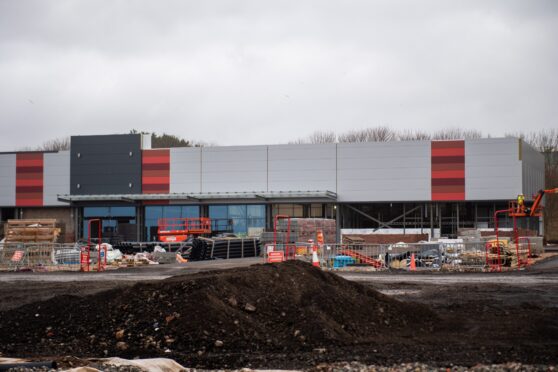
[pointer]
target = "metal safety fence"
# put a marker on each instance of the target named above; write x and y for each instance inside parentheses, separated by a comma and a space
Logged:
(433, 256)
(40, 256)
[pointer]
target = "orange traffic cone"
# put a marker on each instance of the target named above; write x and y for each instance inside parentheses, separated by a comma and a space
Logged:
(413, 263)
(315, 259)
(320, 237)
(180, 259)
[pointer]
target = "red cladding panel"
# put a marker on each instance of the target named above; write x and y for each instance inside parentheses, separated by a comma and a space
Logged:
(156, 171)
(448, 170)
(29, 179)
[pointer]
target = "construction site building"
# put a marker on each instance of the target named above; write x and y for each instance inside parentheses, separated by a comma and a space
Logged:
(436, 187)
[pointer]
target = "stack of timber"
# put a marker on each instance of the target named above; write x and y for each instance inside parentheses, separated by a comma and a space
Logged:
(31, 231)
(517, 252)
(474, 258)
(510, 253)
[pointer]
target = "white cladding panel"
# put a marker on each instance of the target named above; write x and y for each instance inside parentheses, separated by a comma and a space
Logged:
(302, 167)
(386, 171)
(185, 170)
(532, 170)
(234, 169)
(492, 169)
(56, 177)
(7, 180)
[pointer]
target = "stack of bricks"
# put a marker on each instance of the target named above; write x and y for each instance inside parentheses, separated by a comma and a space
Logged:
(304, 229)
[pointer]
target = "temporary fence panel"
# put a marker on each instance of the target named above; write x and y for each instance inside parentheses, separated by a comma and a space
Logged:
(470, 256)
(40, 256)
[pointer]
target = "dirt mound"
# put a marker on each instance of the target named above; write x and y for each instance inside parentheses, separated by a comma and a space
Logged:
(263, 308)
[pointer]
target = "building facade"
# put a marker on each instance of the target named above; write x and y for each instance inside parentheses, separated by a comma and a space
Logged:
(427, 185)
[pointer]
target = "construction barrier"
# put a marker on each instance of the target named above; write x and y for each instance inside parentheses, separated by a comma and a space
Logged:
(40, 257)
(433, 256)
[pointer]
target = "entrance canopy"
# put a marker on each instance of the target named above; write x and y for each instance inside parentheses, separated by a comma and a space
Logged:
(210, 197)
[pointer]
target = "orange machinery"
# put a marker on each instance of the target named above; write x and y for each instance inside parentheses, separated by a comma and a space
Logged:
(517, 209)
(535, 210)
(172, 230)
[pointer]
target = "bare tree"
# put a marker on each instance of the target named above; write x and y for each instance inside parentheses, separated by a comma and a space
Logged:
(377, 134)
(456, 133)
(546, 142)
(413, 135)
(57, 144)
(386, 134)
(317, 137)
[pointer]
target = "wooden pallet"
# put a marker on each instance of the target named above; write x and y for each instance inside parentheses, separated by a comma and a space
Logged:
(31, 231)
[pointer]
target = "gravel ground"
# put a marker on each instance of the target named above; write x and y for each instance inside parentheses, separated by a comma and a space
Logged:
(419, 367)
(349, 367)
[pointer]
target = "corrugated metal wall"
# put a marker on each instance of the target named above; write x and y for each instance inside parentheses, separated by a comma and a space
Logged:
(357, 172)
(56, 177)
(388, 171)
(302, 167)
(7, 180)
(234, 169)
(492, 169)
(533, 172)
(185, 170)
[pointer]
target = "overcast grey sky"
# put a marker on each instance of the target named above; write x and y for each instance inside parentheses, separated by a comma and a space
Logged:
(264, 72)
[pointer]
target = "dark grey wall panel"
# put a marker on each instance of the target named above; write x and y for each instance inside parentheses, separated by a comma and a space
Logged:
(106, 164)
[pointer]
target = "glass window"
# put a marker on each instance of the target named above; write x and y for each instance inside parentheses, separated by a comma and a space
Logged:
(190, 211)
(256, 211)
(153, 212)
(256, 216)
(316, 211)
(218, 211)
(122, 211)
(239, 218)
(118, 223)
(292, 210)
(172, 211)
(237, 211)
(239, 226)
(109, 211)
(96, 211)
(219, 215)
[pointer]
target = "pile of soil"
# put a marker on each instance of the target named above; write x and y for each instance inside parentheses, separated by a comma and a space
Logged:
(284, 308)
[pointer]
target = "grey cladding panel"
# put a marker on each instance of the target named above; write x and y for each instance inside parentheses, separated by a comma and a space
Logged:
(105, 166)
(56, 177)
(7, 180)
(234, 169)
(532, 171)
(302, 167)
(185, 170)
(492, 169)
(387, 171)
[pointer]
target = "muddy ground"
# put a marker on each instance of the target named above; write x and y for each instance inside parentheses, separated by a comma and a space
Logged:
(440, 319)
